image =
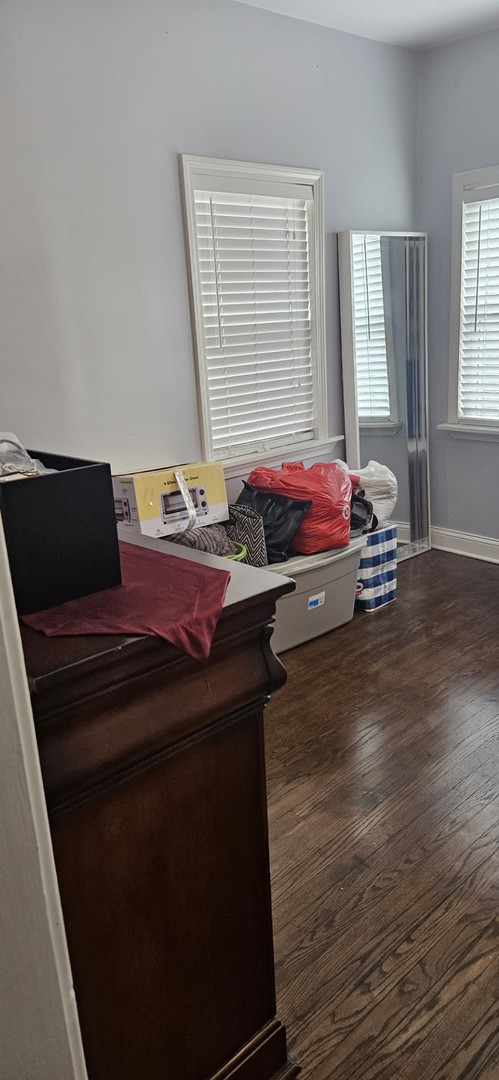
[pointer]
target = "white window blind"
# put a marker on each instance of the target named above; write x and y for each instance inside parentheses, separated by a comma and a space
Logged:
(257, 305)
(478, 384)
(371, 362)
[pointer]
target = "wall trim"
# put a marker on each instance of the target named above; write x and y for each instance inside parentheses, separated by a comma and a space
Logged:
(460, 543)
(40, 1028)
(403, 530)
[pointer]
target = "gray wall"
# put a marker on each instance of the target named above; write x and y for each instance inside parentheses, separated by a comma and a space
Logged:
(99, 98)
(459, 130)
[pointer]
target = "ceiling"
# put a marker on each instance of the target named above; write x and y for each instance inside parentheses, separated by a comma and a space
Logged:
(419, 24)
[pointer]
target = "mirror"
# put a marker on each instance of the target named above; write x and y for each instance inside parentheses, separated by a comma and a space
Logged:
(384, 358)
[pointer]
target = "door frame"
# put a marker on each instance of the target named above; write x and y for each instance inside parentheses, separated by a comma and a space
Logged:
(39, 1028)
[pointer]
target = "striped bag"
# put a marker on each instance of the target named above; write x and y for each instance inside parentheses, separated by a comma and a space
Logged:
(377, 577)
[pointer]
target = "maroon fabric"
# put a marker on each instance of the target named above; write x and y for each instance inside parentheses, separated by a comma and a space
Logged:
(170, 597)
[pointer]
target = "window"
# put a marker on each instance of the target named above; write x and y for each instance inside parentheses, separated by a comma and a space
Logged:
(474, 336)
(256, 250)
(375, 395)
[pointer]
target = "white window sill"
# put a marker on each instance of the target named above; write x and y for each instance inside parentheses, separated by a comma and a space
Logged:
(242, 466)
(380, 427)
(469, 431)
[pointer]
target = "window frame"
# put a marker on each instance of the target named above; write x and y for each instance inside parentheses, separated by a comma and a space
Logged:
(466, 187)
(194, 170)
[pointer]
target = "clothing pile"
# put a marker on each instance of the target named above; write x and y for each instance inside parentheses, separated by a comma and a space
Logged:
(212, 538)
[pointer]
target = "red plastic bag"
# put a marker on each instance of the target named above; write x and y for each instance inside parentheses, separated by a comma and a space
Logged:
(327, 524)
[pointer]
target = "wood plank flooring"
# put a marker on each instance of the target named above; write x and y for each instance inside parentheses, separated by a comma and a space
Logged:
(383, 782)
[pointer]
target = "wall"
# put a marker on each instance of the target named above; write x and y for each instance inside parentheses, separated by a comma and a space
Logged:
(459, 131)
(101, 97)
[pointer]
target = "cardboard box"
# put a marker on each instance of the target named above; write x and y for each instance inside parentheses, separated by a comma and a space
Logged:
(324, 597)
(377, 578)
(60, 532)
(153, 503)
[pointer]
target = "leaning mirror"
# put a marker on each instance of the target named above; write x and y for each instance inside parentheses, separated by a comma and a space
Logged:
(384, 359)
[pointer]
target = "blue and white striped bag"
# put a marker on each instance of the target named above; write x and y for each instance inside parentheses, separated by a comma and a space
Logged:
(377, 577)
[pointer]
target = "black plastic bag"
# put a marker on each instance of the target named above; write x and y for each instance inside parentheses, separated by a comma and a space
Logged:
(362, 518)
(282, 518)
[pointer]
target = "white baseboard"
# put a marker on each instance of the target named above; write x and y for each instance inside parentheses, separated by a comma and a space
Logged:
(403, 531)
(459, 543)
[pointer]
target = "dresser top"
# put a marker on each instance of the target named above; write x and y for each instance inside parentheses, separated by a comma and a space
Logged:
(53, 661)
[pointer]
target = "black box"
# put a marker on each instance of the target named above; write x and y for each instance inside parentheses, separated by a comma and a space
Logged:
(60, 531)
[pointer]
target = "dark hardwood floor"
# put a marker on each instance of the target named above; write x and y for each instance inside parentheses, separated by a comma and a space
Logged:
(383, 781)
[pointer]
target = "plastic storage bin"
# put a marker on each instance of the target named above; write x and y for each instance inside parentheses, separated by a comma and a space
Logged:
(324, 597)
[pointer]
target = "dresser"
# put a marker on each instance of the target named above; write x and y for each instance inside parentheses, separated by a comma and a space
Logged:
(154, 774)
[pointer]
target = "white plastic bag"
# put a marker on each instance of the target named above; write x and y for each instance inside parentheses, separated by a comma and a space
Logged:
(380, 486)
(14, 459)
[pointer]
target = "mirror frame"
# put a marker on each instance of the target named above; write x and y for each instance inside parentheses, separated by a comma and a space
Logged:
(417, 449)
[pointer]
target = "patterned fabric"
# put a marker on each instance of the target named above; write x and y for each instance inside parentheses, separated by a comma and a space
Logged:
(377, 577)
(245, 526)
(211, 538)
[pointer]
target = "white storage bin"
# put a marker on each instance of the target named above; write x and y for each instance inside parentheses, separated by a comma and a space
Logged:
(324, 597)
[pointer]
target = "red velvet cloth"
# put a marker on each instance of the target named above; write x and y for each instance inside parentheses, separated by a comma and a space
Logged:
(161, 594)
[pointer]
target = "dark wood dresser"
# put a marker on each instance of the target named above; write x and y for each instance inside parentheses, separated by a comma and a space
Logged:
(154, 774)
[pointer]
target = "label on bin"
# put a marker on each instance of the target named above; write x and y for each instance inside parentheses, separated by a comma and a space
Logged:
(316, 601)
